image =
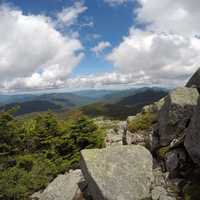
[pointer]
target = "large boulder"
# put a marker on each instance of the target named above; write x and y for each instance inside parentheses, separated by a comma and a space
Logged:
(194, 80)
(176, 113)
(64, 187)
(175, 161)
(118, 173)
(192, 139)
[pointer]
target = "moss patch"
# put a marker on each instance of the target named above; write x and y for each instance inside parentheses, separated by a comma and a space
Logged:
(163, 150)
(142, 121)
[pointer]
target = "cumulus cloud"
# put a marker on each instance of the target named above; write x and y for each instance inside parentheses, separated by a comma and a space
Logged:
(100, 47)
(167, 50)
(179, 17)
(69, 15)
(33, 53)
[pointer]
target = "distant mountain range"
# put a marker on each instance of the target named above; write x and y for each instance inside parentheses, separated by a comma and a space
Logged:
(127, 106)
(110, 103)
(69, 98)
(32, 107)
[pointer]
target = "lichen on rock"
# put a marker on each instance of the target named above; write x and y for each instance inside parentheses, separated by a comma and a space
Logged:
(118, 173)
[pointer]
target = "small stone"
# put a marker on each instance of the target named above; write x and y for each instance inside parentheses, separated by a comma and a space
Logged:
(157, 192)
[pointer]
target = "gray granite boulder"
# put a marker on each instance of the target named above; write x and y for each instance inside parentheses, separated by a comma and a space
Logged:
(194, 81)
(176, 113)
(118, 173)
(192, 138)
(63, 187)
(175, 161)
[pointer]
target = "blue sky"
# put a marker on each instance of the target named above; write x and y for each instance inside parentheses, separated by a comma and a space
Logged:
(111, 23)
(77, 44)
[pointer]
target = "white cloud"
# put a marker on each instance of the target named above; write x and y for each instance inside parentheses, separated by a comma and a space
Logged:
(179, 17)
(100, 47)
(167, 50)
(33, 53)
(68, 16)
(106, 80)
(116, 2)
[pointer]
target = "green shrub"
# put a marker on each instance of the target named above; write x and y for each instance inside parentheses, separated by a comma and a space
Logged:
(142, 121)
(39, 148)
(25, 162)
(13, 184)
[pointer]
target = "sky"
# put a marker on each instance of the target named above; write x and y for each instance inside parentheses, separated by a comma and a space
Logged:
(109, 44)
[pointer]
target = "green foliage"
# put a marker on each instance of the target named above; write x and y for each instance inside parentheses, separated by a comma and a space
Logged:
(35, 150)
(142, 121)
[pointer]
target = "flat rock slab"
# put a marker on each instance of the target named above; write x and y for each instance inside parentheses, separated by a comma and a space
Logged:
(118, 172)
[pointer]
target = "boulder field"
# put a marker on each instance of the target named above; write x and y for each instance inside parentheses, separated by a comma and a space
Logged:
(154, 155)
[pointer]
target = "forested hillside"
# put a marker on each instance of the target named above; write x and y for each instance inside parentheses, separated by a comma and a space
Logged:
(129, 105)
(35, 150)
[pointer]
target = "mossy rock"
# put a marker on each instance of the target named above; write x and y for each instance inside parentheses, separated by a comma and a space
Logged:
(163, 150)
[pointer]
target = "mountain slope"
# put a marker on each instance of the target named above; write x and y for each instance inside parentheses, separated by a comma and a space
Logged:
(32, 106)
(130, 105)
(144, 97)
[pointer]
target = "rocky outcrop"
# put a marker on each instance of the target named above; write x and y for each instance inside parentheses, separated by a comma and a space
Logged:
(118, 173)
(155, 107)
(192, 139)
(176, 113)
(64, 187)
(194, 80)
(135, 138)
(115, 136)
(126, 170)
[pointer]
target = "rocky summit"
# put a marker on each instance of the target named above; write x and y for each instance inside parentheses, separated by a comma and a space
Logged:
(154, 155)
(118, 173)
